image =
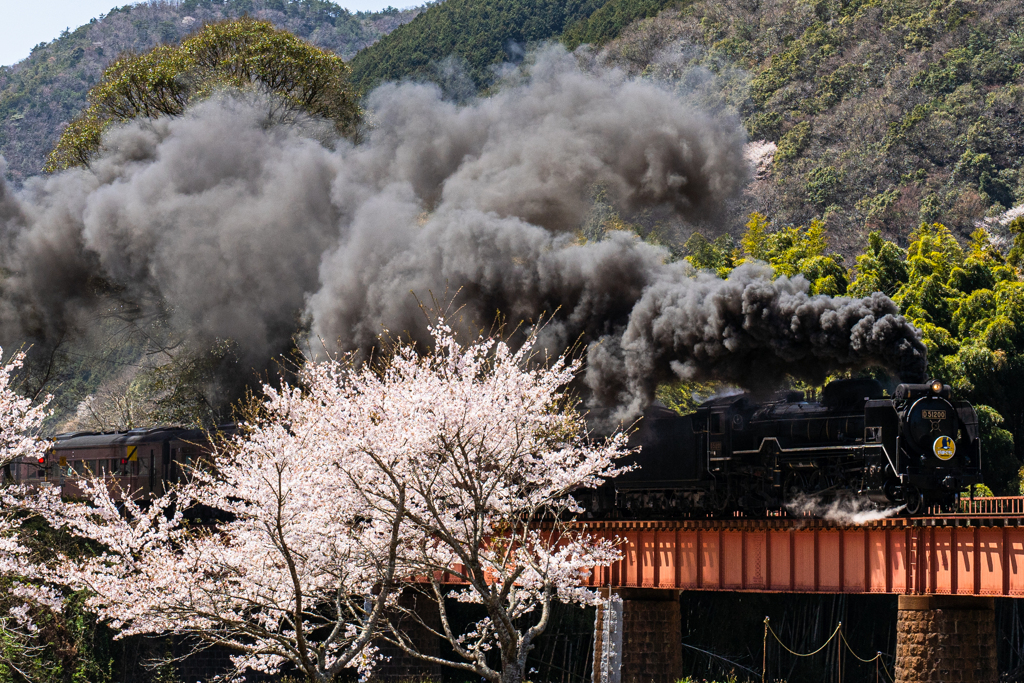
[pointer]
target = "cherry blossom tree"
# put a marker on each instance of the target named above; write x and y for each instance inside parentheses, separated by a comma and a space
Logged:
(19, 419)
(20, 573)
(300, 572)
(372, 479)
(19, 424)
(477, 449)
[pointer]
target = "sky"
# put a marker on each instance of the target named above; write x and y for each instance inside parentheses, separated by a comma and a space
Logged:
(26, 23)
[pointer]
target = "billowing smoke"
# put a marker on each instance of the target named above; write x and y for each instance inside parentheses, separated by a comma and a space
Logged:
(230, 227)
(748, 330)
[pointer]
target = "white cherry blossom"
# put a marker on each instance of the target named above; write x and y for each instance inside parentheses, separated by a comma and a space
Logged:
(20, 420)
(366, 481)
(477, 449)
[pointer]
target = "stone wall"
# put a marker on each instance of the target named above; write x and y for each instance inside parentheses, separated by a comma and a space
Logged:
(946, 639)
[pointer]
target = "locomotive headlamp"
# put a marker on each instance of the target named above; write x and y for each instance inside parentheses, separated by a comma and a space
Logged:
(936, 387)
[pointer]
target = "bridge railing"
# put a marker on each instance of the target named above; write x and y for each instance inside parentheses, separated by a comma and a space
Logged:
(992, 505)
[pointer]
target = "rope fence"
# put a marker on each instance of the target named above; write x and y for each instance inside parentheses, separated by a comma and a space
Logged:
(840, 643)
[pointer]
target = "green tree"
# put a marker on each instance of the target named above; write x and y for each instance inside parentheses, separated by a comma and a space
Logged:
(932, 257)
(684, 397)
(609, 21)
(717, 256)
(795, 250)
(882, 268)
(245, 54)
(484, 33)
(999, 464)
(754, 242)
(1016, 256)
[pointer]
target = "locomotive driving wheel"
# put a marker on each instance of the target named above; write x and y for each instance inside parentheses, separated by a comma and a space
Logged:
(914, 501)
(720, 499)
(815, 481)
(793, 486)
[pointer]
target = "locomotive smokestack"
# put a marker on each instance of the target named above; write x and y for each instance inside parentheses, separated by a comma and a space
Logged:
(234, 229)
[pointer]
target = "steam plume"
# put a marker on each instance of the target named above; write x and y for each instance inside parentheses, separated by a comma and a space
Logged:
(234, 228)
(842, 509)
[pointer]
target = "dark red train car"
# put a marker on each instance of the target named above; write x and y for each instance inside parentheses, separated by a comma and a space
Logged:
(140, 463)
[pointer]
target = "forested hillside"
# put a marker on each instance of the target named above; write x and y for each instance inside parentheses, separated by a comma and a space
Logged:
(483, 34)
(886, 113)
(41, 94)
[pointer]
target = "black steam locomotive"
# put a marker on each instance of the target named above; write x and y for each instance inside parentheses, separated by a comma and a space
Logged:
(916, 449)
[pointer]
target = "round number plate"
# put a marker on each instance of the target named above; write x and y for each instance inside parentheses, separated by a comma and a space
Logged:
(944, 448)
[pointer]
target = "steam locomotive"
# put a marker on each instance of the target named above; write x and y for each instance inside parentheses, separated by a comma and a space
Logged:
(916, 449)
(735, 454)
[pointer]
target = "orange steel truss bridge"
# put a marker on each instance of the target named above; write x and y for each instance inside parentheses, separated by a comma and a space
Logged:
(977, 551)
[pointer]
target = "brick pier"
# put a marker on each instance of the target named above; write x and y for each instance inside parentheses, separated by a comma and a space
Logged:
(946, 639)
(646, 646)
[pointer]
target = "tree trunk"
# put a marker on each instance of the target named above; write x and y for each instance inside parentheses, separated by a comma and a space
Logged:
(511, 671)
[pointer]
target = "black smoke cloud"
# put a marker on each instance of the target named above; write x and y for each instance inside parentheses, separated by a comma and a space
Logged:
(748, 330)
(229, 226)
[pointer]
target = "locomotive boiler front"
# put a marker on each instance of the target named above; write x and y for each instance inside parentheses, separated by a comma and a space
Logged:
(939, 440)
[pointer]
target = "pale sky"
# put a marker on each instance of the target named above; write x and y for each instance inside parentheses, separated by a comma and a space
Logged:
(26, 23)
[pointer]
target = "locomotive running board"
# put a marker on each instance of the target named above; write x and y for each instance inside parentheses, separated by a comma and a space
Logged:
(807, 449)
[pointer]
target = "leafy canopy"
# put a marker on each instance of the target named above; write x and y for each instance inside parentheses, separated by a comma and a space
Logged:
(245, 54)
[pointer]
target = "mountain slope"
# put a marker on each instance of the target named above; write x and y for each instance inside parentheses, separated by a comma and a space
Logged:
(483, 33)
(886, 113)
(610, 20)
(40, 94)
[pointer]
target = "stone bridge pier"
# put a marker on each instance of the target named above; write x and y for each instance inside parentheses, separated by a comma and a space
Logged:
(946, 639)
(638, 638)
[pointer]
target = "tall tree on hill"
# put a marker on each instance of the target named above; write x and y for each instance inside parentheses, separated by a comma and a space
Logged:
(242, 55)
(481, 34)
